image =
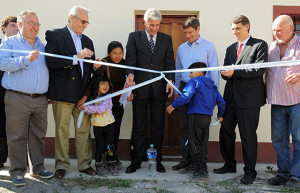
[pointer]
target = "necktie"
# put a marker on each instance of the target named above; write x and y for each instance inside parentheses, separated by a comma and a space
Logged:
(151, 43)
(239, 50)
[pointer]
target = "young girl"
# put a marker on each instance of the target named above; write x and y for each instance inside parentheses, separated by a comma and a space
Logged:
(102, 120)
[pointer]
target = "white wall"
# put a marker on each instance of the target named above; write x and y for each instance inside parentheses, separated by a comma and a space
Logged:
(114, 20)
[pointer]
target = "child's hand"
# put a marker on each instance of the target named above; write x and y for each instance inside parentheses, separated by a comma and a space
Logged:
(169, 109)
(82, 107)
(130, 98)
(220, 119)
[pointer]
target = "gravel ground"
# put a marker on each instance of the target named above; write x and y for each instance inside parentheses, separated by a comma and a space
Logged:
(138, 182)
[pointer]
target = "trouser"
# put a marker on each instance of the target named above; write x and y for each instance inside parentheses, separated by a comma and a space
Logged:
(3, 141)
(198, 139)
(118, 112)
(285, 121)
(139, 130)
(104, 137)
(247, 121)
(62, 112)
(26, 124)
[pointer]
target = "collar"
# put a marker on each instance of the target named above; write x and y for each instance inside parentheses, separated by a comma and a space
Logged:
(245, 41)
(72, 33)
(37, 39)
(149, 35)
(198, 41)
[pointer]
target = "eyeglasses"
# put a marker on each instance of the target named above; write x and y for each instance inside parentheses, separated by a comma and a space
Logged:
(32, 24)
(82, 20)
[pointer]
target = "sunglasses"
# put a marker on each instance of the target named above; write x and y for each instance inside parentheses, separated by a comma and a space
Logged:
(82, 20)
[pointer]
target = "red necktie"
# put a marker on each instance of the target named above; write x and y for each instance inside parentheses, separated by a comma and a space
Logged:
(239, 50)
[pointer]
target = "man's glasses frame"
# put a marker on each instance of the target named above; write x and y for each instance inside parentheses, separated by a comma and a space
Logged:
(82, 20)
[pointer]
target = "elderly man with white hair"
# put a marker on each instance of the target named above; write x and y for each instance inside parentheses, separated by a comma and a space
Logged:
(152, 50)
(283, 93)
(68, 82)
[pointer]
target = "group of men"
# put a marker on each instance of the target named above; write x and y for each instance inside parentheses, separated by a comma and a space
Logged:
(28, 78)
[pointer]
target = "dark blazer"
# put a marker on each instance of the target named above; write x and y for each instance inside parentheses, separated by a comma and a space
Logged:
(246, 87)
(66, 82)
(138, 54)
(2, 89)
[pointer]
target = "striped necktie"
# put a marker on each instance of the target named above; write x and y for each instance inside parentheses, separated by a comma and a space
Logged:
(151, 43)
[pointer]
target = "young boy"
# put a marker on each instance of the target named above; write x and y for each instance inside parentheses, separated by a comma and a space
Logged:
(202, 96)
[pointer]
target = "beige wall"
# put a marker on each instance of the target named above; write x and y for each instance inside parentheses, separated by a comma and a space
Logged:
(113, 20)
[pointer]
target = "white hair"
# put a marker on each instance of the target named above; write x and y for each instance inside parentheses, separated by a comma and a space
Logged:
(74, 10)
(152, 14)
(22, 15)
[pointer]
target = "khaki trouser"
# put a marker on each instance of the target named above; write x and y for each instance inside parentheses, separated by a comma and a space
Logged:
(26, 126)
(62, 112)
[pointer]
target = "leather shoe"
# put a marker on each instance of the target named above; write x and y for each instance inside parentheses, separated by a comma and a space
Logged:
(277, 180)
(246, 179)
(60, 174)
(160, 168)
(132, 168)
(89, 171)
(225, 169)
(179, 166)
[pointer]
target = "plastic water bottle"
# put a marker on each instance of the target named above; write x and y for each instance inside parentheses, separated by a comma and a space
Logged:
(151, 152)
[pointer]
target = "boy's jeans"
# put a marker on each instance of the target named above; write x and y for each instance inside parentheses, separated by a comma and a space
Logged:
(285, 121)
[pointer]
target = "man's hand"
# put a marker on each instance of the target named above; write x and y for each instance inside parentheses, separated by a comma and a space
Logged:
(176, 96)
(130, 80)
(81, 101)
(97, 65)
(227, 72)
(32, 56)
(220, 119)
(170, 89)
(85, 53)
(170, 109)
(82, 107)
(293, 78)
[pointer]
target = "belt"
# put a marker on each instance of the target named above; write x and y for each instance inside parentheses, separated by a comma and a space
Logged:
(31, 95)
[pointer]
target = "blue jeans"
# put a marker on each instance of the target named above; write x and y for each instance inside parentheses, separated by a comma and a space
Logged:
(285, 121)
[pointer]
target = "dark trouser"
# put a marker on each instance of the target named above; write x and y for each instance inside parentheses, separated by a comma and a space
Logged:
(26, 124)
(104, 137)
(139, 130)
(184, 130)
(3, 141)
(198, 139)
(247, 121)
(118, 112)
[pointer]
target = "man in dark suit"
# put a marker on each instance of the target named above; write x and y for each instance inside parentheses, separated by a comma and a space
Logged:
(68, 82)
(244, 95)
(9, 27)
(152, 50)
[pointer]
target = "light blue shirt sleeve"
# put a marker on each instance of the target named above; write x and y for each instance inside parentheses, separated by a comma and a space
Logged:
(178, 74)
(213, 62)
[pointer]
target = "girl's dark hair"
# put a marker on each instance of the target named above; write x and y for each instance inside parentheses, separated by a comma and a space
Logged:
(112, 45)
(95, 85)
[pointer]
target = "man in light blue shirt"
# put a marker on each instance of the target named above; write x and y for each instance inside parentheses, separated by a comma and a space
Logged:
(26, 79)
(196, 49)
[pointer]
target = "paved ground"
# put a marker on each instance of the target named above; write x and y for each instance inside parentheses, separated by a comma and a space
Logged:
(138, 182)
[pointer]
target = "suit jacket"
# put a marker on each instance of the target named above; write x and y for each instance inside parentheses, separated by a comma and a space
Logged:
(246, 87)
(138, 54)
(2, 89)
(66, 81)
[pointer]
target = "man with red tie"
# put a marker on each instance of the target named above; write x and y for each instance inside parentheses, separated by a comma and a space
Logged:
(244, 95)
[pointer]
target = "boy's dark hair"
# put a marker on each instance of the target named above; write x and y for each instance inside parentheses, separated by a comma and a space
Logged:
(198, 65)
(191, 22)
(95, 84)
(5, 21)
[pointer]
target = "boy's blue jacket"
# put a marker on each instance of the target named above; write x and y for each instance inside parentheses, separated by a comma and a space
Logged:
(202, 96)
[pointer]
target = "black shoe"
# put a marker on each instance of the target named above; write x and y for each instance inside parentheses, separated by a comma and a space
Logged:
(246, 179)
(179, 166)
(160, 168)
(225, 169)
(277, 180)
(1, 165)
(132, 168)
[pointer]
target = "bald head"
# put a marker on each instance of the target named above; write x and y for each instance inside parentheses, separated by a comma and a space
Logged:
(283, 29)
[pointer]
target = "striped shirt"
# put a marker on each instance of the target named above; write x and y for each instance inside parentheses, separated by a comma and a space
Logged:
(21, 75)
(280, 92)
